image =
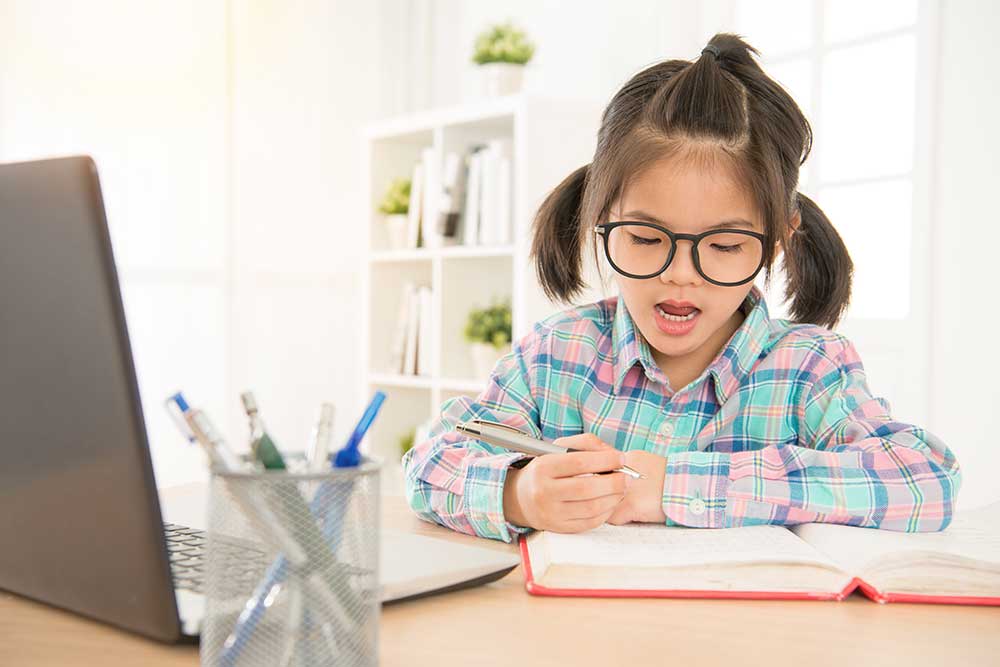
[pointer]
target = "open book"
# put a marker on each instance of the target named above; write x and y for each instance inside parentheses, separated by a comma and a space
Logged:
(813, 561)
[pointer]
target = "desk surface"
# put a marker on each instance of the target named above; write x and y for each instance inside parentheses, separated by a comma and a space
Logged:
(454, 628)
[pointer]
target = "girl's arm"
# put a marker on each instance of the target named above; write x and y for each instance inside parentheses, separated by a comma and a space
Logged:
(861, 468)
(458, 482)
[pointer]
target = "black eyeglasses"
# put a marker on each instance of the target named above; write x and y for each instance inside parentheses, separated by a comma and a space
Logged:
(726, 257)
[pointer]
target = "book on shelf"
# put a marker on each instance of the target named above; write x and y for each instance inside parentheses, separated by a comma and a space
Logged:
(410, 353)
(812, 561)
(415, 206)
(424, 342)
(431, 199)
(412, 323)
(488, 178)
(450, 209)
(470, 210)
(398, 352)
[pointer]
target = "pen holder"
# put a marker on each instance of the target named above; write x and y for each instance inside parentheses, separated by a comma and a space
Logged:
(291, 572)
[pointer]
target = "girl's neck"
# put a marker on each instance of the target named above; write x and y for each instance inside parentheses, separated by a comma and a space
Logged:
(682, 370)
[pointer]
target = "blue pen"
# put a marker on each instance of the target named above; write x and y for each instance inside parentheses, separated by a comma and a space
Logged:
(278, 570)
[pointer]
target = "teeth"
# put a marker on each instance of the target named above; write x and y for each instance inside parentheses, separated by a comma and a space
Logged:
(677, 318)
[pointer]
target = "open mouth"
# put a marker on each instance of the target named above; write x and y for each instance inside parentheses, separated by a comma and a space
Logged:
(675, 314)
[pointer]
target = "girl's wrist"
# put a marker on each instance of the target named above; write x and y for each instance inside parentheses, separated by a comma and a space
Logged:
(511, 506)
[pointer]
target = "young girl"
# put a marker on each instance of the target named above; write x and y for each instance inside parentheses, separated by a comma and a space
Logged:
(734, 418)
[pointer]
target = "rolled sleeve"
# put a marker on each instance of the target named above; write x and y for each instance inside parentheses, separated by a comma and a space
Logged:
(458, 481)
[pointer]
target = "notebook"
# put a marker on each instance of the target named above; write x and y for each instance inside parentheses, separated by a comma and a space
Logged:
(814, 561)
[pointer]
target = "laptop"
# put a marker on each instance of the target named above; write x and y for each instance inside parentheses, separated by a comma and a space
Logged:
(82, 522)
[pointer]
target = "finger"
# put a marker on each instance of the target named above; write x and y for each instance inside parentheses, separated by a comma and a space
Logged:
(585, 488)
(589, 509)
(577, 463)
(581, 525)
(584, 441)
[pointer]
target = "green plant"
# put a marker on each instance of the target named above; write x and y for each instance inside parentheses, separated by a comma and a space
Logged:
(397, 197)
(502, 43)
(490, 325)
(406, 441)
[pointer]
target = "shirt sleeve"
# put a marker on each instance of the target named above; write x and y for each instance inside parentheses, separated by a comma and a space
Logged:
(860, 468)
(458, 481)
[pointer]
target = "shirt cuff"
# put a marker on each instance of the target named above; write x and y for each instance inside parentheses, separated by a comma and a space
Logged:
(483, 496)
(694, 489)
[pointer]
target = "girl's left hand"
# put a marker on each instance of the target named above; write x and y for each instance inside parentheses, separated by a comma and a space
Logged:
(644, 499)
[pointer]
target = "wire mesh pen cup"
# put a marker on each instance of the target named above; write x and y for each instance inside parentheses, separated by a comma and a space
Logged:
(291, 571)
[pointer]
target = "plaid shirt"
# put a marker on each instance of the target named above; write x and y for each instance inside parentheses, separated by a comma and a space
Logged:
(781, 428)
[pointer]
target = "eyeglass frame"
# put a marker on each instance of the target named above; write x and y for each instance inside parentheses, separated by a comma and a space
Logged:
(604, 229)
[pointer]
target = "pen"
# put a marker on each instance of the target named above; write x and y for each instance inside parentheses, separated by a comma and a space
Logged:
(261, 444)
(319, 443)
(509, 437)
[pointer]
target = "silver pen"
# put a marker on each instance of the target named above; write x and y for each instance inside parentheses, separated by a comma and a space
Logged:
(509, 437)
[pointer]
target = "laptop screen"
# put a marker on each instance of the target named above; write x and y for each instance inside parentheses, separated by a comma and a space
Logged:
(81, 522)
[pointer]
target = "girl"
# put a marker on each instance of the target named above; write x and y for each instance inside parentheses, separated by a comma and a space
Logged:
(734, 418)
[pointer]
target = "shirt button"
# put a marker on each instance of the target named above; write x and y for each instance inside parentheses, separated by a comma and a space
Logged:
(697, 506)
(666, 429)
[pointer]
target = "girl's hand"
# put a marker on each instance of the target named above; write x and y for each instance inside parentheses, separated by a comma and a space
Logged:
(562, 492)
(644, 500)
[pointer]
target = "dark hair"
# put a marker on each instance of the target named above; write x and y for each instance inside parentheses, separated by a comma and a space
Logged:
(717, 107)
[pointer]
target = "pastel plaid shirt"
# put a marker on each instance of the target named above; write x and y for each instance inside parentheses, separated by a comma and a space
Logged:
(781, 428)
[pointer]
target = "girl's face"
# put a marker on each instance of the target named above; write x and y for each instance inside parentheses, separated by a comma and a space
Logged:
(685, 196)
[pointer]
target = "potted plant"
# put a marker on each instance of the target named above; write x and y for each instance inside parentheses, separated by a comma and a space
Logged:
(396, 205)
(501, 52)
(488, 333)
(406, 441)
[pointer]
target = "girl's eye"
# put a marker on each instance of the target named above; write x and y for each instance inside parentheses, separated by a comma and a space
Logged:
(727, 248)
(642, 240)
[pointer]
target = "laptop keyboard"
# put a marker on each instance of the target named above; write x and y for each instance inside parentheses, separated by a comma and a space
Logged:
(187, 548)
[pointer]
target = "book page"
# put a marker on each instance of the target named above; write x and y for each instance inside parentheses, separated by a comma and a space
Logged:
(972, 535)
(654, 545)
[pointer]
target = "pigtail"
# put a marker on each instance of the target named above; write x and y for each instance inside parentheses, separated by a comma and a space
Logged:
(557, 242)
(818, 269)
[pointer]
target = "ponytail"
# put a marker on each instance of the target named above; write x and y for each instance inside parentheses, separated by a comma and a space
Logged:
(818, 269)
(557, 241)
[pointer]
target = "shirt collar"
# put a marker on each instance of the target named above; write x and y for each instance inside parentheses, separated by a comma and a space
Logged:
(729, 368)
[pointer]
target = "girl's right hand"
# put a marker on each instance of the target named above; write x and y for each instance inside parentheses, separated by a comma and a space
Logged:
(561, 492)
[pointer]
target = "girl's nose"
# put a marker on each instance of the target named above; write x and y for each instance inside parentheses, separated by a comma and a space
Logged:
(681, 270)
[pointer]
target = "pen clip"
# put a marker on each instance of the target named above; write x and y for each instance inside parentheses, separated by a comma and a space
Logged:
(486, 422)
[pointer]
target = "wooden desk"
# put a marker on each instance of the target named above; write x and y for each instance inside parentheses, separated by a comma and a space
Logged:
(459, 629)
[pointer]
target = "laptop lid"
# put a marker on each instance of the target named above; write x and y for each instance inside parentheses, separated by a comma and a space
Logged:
(81, 522)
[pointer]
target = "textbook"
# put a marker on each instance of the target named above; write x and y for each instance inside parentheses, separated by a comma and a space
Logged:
(812, 561)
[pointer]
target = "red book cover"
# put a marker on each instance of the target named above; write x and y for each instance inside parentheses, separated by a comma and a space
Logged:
(535, 588)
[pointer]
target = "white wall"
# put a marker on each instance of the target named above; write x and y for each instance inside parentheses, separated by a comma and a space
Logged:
(226, 136)
(966, 239)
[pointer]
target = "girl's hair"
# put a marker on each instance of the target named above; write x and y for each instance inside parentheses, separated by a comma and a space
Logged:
(718, 107)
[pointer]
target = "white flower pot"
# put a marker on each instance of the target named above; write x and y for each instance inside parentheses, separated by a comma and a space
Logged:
(485, 357)
(501, 78)
(395, 226)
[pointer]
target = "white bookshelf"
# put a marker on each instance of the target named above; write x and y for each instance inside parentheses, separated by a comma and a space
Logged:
(550, 137)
